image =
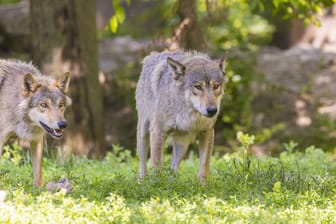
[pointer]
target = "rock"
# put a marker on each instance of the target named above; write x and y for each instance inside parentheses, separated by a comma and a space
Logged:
(119, 51)
(299, 92)
(304, 71)
(15, 18)
(63, 183)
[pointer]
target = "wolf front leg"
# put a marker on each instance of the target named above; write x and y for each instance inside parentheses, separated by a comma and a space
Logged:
(36, 151)
(180, 147)
(142, 146)
(156, 139)
(206, 143)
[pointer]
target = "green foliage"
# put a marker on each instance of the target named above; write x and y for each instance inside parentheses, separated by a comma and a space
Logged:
(236, 25)
(241, 23)
(119, 15)
(8, 1)
(152, 19)
(306, 10)
(227, 24)
(237, 102)
(13, 153)
(295, 188)
(245, 139)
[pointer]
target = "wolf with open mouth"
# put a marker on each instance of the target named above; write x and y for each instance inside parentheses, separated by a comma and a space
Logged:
(31, 104)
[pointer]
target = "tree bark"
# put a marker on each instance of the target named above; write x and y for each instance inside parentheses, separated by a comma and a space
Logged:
(189, 34)
(64, 39)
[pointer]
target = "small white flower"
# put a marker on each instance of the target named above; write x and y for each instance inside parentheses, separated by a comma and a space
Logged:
(3, 195)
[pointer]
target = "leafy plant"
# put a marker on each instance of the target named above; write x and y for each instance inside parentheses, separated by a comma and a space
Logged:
(119, 15)
(297, 187)
(246, 141)
(306, 10)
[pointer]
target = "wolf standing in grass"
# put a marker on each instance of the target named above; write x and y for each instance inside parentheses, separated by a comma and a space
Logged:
(30, 105)
(178, 95)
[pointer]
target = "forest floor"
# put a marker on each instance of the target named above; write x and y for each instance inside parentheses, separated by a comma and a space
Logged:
(297, 187)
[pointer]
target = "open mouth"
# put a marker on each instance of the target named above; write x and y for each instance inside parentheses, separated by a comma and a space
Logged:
(56, 133)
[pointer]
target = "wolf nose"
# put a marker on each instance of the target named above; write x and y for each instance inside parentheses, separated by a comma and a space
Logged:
(62, 124)
(211, 111)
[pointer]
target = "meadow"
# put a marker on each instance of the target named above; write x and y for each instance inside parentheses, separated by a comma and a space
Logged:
(296, 187)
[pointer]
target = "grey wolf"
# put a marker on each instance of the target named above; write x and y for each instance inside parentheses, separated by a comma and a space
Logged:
(178, 95)
(31, 104)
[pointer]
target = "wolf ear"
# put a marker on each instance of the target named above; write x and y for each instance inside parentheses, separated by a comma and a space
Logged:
(29, 84)
(176, 68)
(222, 62)
(63, 82)
(68, 101)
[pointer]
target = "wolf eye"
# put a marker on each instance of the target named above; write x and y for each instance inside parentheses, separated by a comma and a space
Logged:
(61, 105)
(199, 87)
(216, 86)
(43, 105)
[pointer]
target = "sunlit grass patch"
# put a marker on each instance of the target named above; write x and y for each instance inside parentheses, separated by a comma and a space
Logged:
(296, 187)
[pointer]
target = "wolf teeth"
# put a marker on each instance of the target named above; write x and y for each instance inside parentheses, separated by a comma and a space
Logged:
(53, 132)
(58, 131)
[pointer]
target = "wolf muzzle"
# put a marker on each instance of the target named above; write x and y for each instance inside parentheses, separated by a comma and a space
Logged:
(62, 124)
(56, 133)
(212, 111)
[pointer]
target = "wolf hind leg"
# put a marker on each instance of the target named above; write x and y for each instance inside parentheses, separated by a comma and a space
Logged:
(156, 141)
(142, 146)
(180, 147)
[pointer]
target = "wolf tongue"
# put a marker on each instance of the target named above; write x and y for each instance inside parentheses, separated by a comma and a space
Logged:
(58, 131)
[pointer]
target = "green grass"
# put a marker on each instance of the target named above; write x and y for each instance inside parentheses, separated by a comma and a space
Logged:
(294, 188)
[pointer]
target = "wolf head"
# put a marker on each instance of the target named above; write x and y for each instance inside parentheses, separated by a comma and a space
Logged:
(203, 82)
(47, 102)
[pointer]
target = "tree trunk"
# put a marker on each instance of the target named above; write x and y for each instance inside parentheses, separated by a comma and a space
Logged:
(189, 34)
(64, 39)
